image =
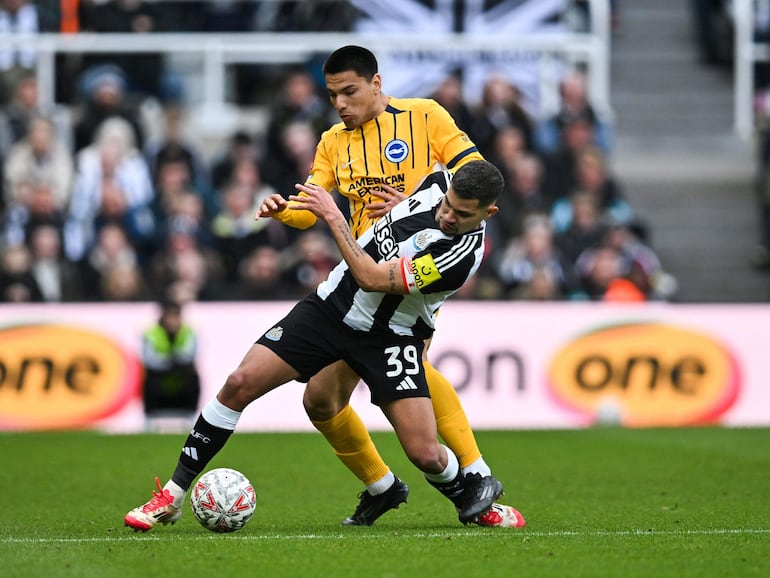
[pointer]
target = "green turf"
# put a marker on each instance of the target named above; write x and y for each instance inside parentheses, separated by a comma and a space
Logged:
(599, 502)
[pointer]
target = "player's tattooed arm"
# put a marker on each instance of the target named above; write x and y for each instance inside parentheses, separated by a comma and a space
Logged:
(368, 273)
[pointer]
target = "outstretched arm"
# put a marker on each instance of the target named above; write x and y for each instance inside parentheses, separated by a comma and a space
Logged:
(386, 277)
(277, 207)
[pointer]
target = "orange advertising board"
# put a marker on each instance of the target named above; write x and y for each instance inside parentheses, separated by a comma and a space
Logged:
(62, 376)
(646, 374)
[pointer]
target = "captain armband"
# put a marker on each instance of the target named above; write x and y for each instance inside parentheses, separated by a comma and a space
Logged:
(419, 273)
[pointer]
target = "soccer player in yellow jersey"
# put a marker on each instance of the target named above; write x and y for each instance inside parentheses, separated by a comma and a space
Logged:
(375, 157)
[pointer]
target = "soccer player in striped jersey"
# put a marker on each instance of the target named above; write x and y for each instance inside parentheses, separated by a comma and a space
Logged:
(374, 312)
(376, 156)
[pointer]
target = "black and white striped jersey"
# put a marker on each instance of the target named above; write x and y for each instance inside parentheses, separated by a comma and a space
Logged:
(439, 265)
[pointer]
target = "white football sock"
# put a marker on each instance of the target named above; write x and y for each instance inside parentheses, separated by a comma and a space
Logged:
(450, 471)
(219, 415)
(478, 467)
(382, 485)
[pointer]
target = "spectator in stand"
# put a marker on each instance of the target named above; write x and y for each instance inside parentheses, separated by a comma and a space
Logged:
(144, 71)
(226, 16)
(304, 16)
(174, 179)
(449, 94)
(261, 278)
(641, 262)
(298, 143)
(124, 282)
(174, 146)
(104, 90)
(38, 209)
(184, 269)
(309, 260)
(586, 229)
(543, 285)
(527, 256)
(241, 148)
(573, 103)
(17, 284)
(600, 269)
(38, 180)
(561, 165)
(111, 250)
(508, 146)
(236, 231)
(500, 108)
(523, 195)
(300, 104)
(112, 183)
(19, 113)
(39, 157)
(57, 278)
(186, 213)
(16, 17)
(592, 176)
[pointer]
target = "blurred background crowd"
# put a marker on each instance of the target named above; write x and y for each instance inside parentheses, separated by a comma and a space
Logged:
(109, 206)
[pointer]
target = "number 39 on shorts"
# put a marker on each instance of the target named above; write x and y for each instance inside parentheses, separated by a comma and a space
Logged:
(402, 360)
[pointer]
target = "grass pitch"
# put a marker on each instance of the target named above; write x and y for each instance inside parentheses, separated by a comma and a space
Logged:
(599, 502)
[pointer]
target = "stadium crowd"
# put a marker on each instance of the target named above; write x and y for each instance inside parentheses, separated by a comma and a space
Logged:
(97, 211)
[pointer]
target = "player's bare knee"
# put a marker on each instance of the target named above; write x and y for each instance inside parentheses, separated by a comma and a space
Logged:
(236, 393)
(318, 407)
(426, 459)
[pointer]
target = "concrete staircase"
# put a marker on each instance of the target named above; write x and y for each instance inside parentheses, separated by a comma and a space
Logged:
(689, 177)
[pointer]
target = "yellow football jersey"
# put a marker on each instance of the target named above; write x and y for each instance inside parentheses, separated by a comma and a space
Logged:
(412, 138)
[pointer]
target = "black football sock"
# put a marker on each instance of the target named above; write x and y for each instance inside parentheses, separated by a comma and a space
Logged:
(450, 481)
(203, 443)
(452, 490)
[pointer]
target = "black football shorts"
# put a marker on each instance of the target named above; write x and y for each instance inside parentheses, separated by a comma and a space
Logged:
(311, 337)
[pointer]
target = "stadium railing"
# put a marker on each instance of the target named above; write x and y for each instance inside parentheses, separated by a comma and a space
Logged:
(216, 52)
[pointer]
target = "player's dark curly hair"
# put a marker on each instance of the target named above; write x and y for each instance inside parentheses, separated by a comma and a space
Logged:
(478, 180)
(355, 58)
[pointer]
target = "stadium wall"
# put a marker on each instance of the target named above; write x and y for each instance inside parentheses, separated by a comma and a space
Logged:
(516, 365)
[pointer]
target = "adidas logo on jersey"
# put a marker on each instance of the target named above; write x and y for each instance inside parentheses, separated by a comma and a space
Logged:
(405, 384)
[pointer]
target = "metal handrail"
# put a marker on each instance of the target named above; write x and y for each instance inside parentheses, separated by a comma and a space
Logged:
(216, 51)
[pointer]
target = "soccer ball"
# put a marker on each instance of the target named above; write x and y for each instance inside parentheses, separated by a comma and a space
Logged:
(223, 500)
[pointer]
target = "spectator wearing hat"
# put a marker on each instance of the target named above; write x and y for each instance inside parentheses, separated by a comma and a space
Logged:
(104, 96)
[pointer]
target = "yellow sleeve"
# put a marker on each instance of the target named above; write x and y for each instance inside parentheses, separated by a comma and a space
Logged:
(298, 219)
